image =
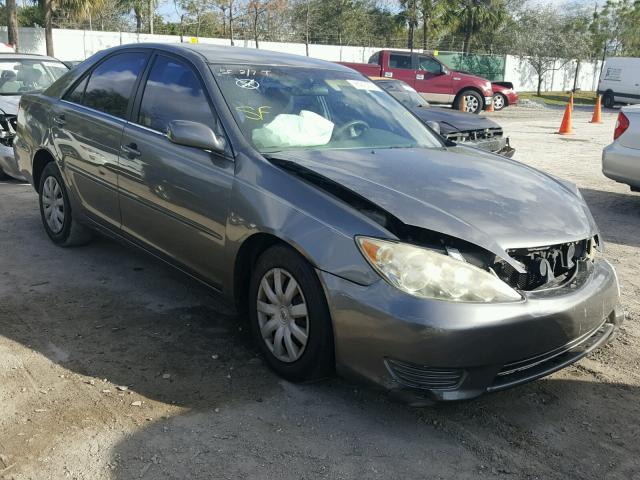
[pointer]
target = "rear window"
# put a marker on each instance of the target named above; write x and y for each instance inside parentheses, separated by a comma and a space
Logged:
(111, 83)
(375, 58)
(399, 60)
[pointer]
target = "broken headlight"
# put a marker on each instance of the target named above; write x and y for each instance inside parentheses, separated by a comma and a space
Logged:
(427, 273)
(7, 129)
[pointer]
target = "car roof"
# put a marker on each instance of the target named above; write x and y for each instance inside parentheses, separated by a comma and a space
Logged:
(26, 56)
(220, 54)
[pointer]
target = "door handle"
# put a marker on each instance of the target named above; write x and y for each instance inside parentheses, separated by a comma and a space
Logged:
(130, 150)
(59, 120)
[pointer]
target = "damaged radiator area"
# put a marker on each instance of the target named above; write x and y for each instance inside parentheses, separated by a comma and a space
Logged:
(545, 266)
(7, 129)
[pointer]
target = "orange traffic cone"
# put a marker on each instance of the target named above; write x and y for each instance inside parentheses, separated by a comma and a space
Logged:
(597, 112)
(571, 100)
(490, 107)
(463, 104)
(565, 126)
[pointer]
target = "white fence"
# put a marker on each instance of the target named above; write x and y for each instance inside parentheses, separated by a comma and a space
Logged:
(80, 44)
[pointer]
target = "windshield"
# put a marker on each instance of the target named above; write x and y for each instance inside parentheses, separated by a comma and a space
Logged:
(280, 108)
(18, 76)
(404, 94)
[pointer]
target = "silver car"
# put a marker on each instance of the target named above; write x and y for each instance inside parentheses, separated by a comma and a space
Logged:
(20, 73)
(621, 159)
(349, 233)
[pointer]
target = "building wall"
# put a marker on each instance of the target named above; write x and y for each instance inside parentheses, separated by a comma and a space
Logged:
(81, 44)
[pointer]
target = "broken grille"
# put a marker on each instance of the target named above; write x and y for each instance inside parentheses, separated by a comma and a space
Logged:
(543, 265)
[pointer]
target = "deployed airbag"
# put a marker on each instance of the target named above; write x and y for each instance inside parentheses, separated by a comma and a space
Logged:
(304, 130)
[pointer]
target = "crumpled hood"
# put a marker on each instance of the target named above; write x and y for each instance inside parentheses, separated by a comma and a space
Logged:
(453, 120)
(485, 199)
(9, 104)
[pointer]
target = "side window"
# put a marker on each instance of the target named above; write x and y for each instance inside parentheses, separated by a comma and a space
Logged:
(399, 60)
(111, 83)
(173, 92)
(430, 65)
(375, 58)
(77, 93)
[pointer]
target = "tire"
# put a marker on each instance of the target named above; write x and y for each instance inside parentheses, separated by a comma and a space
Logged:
(475, 104)
(4, 176)
(608, 100)
(499, 102)
(55, 210)
(296, 359)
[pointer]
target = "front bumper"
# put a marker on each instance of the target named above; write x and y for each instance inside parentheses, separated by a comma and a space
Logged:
(454, 351)
(621, 164)
(8, 163)
(499, 145)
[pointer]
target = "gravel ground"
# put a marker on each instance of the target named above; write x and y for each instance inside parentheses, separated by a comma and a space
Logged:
(114, 366)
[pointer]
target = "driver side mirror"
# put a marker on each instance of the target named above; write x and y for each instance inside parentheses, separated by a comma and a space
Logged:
(194, 134)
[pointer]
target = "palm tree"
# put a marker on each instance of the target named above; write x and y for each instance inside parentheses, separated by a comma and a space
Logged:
(80, 9)
(12, 23)
(470, 16)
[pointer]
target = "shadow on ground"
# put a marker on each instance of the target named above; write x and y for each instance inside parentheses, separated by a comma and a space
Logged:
(108, 312)
(617, 215)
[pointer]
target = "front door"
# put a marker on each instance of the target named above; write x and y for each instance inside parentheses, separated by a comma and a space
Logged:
(174, 198)
(433, 81)
(87, 129)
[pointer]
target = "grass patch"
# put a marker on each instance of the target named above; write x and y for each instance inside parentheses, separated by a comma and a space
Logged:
(561, 98)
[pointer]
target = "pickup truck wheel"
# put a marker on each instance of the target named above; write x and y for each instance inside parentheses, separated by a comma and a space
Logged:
(473, 99)
(55, 210)
(608, 100)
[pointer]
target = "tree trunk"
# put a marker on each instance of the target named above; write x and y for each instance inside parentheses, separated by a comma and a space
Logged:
(540, 78)
(256, 14)
(151, 15)
(12, 22)
(575, 77)
(468, 33)
(138, 16)
(48, 28)
(425, 26)
(231, 22)
(306, 29)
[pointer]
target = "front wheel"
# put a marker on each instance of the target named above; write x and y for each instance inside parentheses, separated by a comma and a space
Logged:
(290, 319)
(608, 100)
(473, 101)
(55, 210)
(499, 101)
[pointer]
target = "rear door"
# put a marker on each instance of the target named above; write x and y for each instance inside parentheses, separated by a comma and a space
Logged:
(432, 81)
(87, 128)
(400, 67)
(175, 198)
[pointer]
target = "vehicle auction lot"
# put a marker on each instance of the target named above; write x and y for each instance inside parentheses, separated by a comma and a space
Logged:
(195, 400)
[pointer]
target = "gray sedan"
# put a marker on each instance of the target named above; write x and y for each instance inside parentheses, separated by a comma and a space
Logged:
(350, 234)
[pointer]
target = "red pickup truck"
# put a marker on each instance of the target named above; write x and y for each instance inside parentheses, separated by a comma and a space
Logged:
(431, 78)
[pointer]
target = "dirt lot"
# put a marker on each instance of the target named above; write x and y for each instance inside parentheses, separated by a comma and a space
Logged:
(113, 366)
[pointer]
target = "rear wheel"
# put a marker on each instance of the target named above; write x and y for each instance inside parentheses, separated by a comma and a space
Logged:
(608, 100)
(473, 101)
(55, 210)
(499, 101)
(290, 319)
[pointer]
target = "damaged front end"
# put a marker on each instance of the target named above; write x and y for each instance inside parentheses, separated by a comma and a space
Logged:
(489, 139)
(522, 269)
(7, 129)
